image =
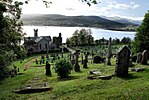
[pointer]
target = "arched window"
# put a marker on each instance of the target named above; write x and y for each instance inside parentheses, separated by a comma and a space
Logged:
(40, 46)
(46, 46)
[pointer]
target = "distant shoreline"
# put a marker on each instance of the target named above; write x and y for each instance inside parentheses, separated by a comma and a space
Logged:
(87, 27)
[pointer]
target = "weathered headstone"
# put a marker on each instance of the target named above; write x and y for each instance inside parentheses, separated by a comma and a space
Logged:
(109, 54)
(77, 66)
(139, 57)
(48, 70)
(122, 62)
(144, 57)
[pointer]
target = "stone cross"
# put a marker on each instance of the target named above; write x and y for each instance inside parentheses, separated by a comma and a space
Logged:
(144, 57)
(122, 62)
(139, 57)
(77, 66)
(109, 54)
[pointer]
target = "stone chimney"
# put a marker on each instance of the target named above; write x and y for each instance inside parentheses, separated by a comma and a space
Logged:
(35, 32)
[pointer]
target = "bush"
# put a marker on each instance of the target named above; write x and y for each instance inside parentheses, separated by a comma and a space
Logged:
(63, 68)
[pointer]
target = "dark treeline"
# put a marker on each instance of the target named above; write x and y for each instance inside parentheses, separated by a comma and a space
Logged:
(84, 38)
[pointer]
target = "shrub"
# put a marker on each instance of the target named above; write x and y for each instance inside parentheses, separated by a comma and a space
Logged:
(63, 68)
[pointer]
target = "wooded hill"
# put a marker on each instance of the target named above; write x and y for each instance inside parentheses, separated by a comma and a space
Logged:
(80, 21)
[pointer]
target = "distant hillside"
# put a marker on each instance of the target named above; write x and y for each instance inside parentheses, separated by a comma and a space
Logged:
(81, 21)
(124, 20)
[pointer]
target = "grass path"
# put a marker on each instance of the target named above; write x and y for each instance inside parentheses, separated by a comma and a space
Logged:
(27, 64)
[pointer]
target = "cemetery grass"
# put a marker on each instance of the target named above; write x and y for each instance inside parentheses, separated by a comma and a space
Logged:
(77, 86)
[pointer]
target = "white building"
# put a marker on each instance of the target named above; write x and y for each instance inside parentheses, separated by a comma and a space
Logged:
(38, 44)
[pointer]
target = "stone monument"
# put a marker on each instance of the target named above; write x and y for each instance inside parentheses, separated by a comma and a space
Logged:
(122, 62)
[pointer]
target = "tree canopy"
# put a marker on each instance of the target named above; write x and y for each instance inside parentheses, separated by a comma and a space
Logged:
(81, 38)
(141, 40)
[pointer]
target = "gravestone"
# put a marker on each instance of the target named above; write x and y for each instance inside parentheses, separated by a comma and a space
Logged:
(97, 60)
(62, 52)
(40, 61)
(76, 65)
(86, 55)
(36, 61)
(42, 57)
(47, 56)
(122, 62)
(82, 59)
(109, 54)
(130, 59)
(139, 57)
(85, 63)
(144, 57)
(70, 55)
(48, 70)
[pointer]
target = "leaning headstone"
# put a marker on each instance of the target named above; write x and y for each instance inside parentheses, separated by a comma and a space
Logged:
(76, 66)
(48, 70)
(144, 57)
(139, 57)
(109, 54)
(122, 62)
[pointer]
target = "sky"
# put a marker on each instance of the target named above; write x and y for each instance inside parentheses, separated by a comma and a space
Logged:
(132, 9)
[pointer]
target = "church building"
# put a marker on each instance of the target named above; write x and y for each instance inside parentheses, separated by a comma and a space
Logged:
(41, 43)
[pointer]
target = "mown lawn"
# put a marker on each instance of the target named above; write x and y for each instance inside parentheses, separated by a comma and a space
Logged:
(77, 86)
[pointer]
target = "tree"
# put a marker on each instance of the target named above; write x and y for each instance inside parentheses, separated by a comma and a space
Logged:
(11, 34)
(47, 2)
(63, 68)
(126, 40)
(141, 40)
(81, 38)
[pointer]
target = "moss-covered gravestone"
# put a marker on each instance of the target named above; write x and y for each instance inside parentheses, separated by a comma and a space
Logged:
(122, 62)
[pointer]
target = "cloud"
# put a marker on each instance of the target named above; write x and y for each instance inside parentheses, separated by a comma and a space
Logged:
(70, 9)
(122, 6)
